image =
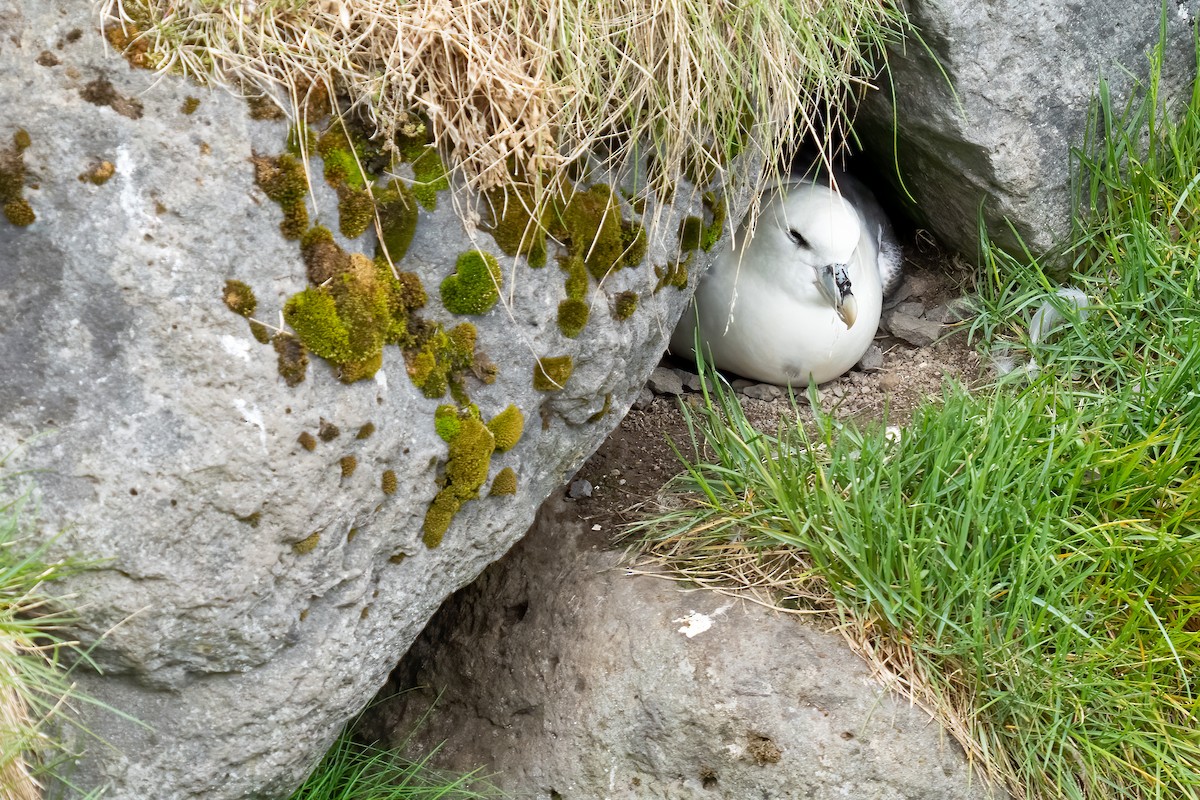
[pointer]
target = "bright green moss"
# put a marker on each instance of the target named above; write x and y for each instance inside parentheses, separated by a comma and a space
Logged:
(513, 227)
(624, 304)
(466, 471)
(356, 211)
(307, 544)
(239, 297)
(430, 177)
(506, 428)
(282, 179)
(307, 441)
(691, 234)
(505, 483)
(572, 317)
(292, 358)
(313, 315)
(19, 212)
(190, 104)
(551, 374)
(387, 482)
(475, 285)
(439, 359)
(718, 210)
(347, 464)
(446, 422)
(342, 159)
(397, 210)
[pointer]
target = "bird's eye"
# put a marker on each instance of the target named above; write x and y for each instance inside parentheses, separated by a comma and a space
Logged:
(797, 237)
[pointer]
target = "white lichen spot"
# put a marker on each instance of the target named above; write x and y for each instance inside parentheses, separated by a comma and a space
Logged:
(236, 346)
(252, 415)
(381, 380)
(694, 624)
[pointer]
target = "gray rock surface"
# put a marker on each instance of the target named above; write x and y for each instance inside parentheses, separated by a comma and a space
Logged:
(914, 330)
(567, 678)
(1021, 76)
(250, 594)
(664, 380)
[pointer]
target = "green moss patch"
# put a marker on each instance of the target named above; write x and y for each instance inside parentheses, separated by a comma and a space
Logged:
(397, 210)
(429, 176)
(366, 431)
(307, 441)
(505, 483)
(347, 465)
(190, 104)
(624, 304)
(12, 182)
(356, 211)
(292, 358)
(506, 428)
(590, 224)
(675, 274)
(446, 422)
(466, 471)
(343, 159)
(282, 179)
(572, 317)
(239, 298)
(387, 482)
(513, 226)
(475, 285)
(550, 374)
(440, 359)
(307, 544)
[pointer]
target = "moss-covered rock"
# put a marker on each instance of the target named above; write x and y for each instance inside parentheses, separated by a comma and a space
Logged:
(513, 225)
(475, 285)
(16, 208)
(282, 179)
(591, 225)
(624, 304)
(505, 483)
(466, 471)
(397, 210)
(429, 176)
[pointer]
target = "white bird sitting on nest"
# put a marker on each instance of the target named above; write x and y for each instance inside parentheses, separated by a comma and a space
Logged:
(800, 300)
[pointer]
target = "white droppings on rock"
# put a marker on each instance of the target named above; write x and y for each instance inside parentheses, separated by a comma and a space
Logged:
(694, 624)
(254, 416)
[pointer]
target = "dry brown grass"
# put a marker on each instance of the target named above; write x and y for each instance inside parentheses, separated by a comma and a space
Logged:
(527, 87)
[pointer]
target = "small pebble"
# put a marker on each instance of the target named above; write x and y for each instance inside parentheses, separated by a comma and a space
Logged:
(872, 360)
(763, 391)
(580, 488)
(644, 399)
(741, 384)
(665, 381)
(597, 527)
(691, 382)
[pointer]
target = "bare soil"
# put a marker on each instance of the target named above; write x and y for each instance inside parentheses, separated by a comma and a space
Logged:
(639, 457)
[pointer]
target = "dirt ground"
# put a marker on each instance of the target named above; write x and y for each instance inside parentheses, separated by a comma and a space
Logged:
(637, 459)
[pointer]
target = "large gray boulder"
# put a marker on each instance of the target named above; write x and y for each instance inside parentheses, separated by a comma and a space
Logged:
(988, 114)
(570, 679)
(249, 591)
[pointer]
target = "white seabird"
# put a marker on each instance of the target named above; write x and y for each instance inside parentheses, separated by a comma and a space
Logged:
(800, 300)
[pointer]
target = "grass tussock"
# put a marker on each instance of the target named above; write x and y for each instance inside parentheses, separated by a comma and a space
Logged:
(35, 686)
(526, 89)
(1022, 560)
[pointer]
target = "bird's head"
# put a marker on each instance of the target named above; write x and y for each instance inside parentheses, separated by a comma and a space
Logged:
(822, 232)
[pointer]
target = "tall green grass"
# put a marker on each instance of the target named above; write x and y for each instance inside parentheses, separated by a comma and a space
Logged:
(1026, 555)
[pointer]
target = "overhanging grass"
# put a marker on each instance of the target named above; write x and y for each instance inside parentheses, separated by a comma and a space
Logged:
(520, 88)
(1024, 558)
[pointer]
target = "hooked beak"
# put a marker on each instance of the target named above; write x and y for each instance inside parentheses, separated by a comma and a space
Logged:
(835, 285)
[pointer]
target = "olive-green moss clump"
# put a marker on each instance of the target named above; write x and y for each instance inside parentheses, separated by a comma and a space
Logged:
(307, 544)
(624, 304)
(12, 182)
(328, 431)
(466, 471)
(366, 431)
(513, 226)
(307, 441)
(572, 317)
(292, 358)
(282, 179)
(718, 210)
(99, 173)
(342, 158)
(675, 274)
(239, 298)
(604, 409)
(350, 317)
(260, 332)
(576, 283)
(439, 359)
(505, 483)
(387, 481)
(590, 224)
(347, 464)
(190, 104)
(506, 428)
(301, 140)
(551, 374)
(691, 234)
(429, 176)
(397, 210)
(475, 285)
(356, 211)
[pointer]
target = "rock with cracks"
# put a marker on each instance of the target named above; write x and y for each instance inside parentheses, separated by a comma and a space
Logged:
(569, 679)
(256, 557)
(989, 109)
